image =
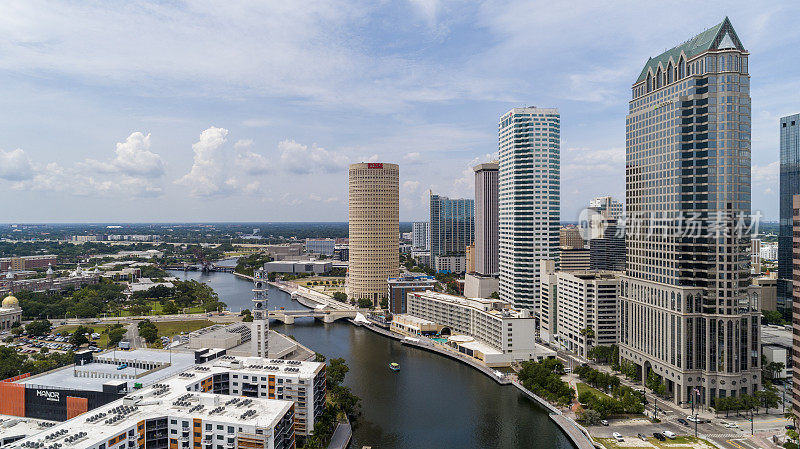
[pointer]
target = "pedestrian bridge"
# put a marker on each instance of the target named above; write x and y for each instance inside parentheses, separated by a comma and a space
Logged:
(326, 315)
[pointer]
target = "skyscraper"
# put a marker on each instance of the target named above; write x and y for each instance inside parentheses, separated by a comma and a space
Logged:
(529, 197)
(486, 219)
(688, 316)
(420, 236)
(452, 225)
(608, 206)
(374, 229)
(789, 185)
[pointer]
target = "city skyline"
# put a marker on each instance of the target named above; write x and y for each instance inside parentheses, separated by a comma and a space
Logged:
(100, 126)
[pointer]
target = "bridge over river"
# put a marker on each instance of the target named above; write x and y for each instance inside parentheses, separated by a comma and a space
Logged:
(326, 315)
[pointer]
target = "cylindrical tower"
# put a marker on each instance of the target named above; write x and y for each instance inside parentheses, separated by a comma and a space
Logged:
(374, 230)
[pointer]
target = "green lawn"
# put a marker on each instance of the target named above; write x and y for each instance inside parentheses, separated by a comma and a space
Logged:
(99, 328)
(584, 387)
(172, 328)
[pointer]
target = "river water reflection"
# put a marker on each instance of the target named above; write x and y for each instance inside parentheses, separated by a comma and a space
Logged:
(432, 402)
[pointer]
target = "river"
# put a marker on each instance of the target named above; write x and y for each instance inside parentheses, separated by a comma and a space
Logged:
(432, 402)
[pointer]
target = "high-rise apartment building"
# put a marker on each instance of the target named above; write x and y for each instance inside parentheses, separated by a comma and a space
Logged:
(687, 312)
(529, 199)
(487, 219)
(588, 309)
(789, 186)
(452, 225)
(607, 252)
(608, 206)
(374, 227)
(420, 236)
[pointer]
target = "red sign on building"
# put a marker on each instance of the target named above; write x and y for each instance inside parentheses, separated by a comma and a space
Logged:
(374, 165)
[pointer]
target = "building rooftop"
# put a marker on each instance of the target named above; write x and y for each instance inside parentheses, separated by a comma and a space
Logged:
(72, 376)
(490, 306)
(776, 336)
(708, 39)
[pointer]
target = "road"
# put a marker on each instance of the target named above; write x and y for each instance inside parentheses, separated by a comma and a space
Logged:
(765, 425)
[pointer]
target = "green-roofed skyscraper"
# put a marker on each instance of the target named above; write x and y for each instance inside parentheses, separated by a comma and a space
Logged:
(689, 315)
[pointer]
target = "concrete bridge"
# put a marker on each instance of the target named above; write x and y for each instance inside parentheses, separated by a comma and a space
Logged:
(326, 315)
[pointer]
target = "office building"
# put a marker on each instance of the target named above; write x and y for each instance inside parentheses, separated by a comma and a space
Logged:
(399, 288)
(422, 258)
(548, 301)
(420, 236)
(570, 237)
(608, 251)
(609, 207)
(320, 246)
(451, 264)
(374, 227)
(341, 253)
(687, 310)
(573, 259)
(452, 225)
(755, 255)
(487, 329)
(767, 291)
(529, 200)
(470, 257)
(588, 310)
(487, 218)
(795, 305)
(769, 251)
(482, 279)
(27, 262)
(789, 129)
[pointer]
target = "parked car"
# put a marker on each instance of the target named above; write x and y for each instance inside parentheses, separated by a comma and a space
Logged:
(668, 434)
(692, 418)
(683, 421)
(617, 437)
(642, 437)
(659, 436)
(604, 422)
(731, 425)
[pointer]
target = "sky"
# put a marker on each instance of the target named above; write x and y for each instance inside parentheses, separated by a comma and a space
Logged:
(251, 111)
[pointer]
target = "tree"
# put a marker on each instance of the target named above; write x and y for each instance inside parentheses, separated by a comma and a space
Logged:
(78, 337)
(364, 303)
(337, 369)
(148, 331)
(384, 303)
(339, 296)
(38, 328)
(655, 384)
(590, 417)
(170, 308)
(494, 295)
(116, 332)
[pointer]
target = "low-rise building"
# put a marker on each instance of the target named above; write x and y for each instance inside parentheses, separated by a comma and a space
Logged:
(10, 313)
(399, 288)
(451, 264)
(412, 325)
(489, 330)
(295, 267)
(422, 257)
(768, 286)
(477, 285)
(27, 262)
(320, 246)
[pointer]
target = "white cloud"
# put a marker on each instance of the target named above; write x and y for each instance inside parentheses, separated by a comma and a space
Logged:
(410, 186)
(766, 174)
(302, 159)
(134, 157)
(208, 176)
(412, 158)
(15, 165)
(248, 161)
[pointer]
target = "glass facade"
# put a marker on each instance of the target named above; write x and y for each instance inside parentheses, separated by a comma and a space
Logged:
(789, 128)
(452, 225)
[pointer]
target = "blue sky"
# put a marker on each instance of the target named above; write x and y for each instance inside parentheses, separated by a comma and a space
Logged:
(251, 111)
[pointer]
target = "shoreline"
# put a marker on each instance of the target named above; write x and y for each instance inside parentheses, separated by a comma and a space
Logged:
(574, 432)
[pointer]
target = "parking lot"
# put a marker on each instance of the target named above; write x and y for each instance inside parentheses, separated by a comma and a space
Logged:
(52, 342)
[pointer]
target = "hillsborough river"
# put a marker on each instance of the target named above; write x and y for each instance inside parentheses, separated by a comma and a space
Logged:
(432, 402)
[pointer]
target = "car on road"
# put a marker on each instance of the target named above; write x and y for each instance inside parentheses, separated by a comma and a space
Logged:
(604, 422)
(659, 436)
(790, 427)
(683, 421)
(617, 437)
(730, 425)
(692, 418)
